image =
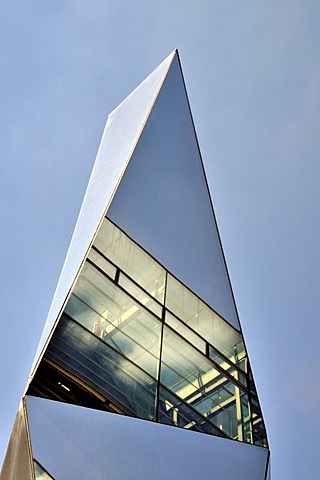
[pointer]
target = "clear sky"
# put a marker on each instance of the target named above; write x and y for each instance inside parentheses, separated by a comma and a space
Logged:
(252, 71)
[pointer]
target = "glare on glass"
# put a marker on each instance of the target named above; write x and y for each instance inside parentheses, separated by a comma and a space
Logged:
(102, 263)
(105, 310)
(187, 306)
(140, 295)
(103, 368)
(179, 327)
(132, 259)
(194, 379)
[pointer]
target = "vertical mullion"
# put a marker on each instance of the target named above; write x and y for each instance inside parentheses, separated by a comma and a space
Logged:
(161, 345)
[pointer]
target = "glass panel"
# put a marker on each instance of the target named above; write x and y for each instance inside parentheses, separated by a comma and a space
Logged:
(104, 369)
(187, 306)
(242, 378)
(173, 411)
(193, 378)
(246, 416)
(130, 258)
(251, 383)
(179, 327)
(140, 295)
(219, 360)
(102, 263)
(259, 431)
(40, 473)
(112, 315)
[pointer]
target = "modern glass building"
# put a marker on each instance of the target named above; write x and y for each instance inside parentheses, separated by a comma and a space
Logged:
(143, 333)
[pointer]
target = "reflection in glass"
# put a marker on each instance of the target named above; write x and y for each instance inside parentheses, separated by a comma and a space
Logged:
(228, 367)
(187, 306)
(112, 315)
(259, 431)
(102, 263)
(103, 368)
(194, 379)
(173, 411)
(179, 327)
(112, 332)
(140, 295)
(40, 473)
(132, 259)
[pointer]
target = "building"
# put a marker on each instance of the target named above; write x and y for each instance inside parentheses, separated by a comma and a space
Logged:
(143, 333)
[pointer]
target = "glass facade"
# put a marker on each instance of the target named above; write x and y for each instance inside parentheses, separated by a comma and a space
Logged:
(144, 343)
(40, 473)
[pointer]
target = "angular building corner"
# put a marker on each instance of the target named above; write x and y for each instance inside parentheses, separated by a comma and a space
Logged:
(143, 332)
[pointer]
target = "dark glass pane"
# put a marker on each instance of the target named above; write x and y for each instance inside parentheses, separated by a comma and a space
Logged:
(108, 312)
(194, 379)
(186, 332)
(227, 366)
(173, 411)
(259, 431)
(140, 295)
(40, 473)
(102, 368)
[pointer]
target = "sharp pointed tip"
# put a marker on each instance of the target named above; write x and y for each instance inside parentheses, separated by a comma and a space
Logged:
(176, 53)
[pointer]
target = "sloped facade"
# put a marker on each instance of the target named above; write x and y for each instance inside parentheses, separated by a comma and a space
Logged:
(143, 329)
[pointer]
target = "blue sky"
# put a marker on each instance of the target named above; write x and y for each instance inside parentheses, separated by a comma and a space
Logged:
(252, 71)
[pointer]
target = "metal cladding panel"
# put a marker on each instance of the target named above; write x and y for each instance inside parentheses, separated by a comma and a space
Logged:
(163, 201)
(17, 464)
(122, 130)
(268, 477)
(74, 442)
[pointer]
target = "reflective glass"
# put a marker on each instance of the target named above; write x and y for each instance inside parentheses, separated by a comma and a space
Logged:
(105, 310)
(179, 327)
(251, 383)
(140, 295)
(103, 368)
(173, 411)
(246, 419)
(217, 358)
(40, 473)
(259, 431)
(132, 259)
(228, 367)
(187, 306)
(102, 263)
(195, 380)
